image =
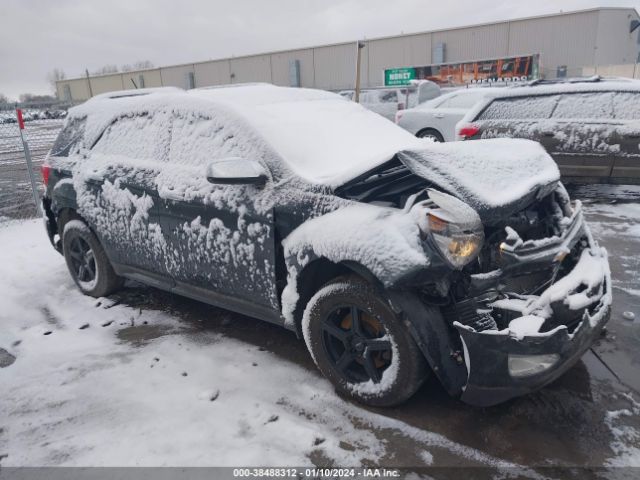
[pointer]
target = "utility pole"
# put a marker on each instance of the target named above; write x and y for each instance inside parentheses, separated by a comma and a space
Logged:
(360, 46)
(86, 71)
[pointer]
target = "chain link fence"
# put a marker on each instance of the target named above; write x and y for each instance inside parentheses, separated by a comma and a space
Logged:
(41, 126)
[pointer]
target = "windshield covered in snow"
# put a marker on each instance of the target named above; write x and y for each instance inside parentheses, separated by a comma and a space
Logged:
(322, 137)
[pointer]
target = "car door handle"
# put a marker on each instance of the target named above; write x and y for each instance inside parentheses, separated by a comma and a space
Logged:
(548, 134)
(438, 115)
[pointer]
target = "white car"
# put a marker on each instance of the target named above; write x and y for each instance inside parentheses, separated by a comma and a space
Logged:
(386, 101)
(437, 118)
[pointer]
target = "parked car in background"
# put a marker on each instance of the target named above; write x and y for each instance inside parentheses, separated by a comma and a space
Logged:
(437, 118)
(390, 256)
(591, 127)
(387, 101)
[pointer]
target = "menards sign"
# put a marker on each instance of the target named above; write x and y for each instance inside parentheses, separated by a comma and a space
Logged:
(520, 68)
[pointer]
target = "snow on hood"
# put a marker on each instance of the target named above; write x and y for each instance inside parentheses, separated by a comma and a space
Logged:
(486, 174)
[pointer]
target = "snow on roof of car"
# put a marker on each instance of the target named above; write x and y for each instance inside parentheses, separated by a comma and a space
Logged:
(323, 137)
(616, 85)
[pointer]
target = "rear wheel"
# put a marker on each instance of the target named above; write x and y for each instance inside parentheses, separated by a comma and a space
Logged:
(88, 264)
(430, 134)
(360, 344)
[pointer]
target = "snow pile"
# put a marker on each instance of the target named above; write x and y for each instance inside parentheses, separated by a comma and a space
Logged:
(484, 174)
(384, 240)
(581, 287)
(588, 274)
(88, 397)
(626, 437)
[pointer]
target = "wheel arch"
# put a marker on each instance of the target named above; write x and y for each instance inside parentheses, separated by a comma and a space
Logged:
(430, 129)
(316, 274)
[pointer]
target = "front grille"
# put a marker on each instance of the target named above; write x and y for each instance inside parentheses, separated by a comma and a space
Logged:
(467, 313)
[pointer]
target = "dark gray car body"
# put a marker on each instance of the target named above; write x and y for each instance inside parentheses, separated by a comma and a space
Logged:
(591, 129)
(248, 247)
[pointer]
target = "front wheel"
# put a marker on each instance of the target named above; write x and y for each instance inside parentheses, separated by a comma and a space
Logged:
(88, 264)
(360, 344)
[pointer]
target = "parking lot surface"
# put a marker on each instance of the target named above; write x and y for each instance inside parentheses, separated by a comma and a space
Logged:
(148, 378)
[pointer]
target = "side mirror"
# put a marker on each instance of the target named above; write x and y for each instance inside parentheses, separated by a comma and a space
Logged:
(236, 171)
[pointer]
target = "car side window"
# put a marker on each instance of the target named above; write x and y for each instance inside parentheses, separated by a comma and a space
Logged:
(584, 105)
(140, 136)
(388, 97)
(198, 139)
(626, 105)
(464, 100)
(521, 108)
(70, 138)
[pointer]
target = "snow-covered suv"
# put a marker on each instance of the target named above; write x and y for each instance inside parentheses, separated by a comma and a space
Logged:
(390, 255)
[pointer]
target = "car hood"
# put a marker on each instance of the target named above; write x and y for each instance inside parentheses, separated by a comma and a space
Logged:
(496, 177)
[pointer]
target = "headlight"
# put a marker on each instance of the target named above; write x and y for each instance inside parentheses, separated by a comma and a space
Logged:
(459, 243)
(453, 226)
(527, 365)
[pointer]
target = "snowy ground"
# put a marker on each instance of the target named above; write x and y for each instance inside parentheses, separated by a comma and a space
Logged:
(146, 378)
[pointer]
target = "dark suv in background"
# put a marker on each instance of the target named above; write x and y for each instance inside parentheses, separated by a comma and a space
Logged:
(591, 127)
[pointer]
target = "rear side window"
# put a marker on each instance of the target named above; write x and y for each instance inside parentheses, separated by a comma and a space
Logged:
(143, 137)
(521, 108)
(388, 97)
(584, 106)
(70, 138)
(464, 100)
(626, 105)
(198, 139)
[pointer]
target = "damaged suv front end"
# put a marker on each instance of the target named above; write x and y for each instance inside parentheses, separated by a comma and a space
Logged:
(515, 276)
(532, 307)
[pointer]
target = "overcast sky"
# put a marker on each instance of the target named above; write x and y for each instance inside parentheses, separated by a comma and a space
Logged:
(39, 35)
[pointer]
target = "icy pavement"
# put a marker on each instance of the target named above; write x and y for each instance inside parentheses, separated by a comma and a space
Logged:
(147, 378)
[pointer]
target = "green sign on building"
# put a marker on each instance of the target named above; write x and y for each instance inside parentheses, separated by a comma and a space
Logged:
(399, 76)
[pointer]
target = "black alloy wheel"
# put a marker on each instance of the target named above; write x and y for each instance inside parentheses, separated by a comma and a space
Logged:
(82, 259)
(356, 345)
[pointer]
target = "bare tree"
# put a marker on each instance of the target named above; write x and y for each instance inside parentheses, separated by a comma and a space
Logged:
(3, 99)
(54, 76)
(31, 98)
(105, 69)
(139, 65)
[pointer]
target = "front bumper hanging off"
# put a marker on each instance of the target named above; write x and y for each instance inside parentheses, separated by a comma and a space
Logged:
(584, 294)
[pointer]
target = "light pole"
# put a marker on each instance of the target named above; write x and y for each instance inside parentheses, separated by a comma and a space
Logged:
(360, 46)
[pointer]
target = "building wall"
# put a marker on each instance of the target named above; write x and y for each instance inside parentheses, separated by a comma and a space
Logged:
(176, 76)
(396, 52)
(251, 69)
(280, 67)
(151, 78)
(615, 44)
(575, 40)
(212, 73)
(568, 40)
(475, 43)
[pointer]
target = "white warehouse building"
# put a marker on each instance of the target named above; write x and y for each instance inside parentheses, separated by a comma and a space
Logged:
(568, 43)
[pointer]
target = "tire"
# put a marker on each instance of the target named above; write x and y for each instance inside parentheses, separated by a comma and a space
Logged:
(432, 134)
(378, 364)
(87, 263)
